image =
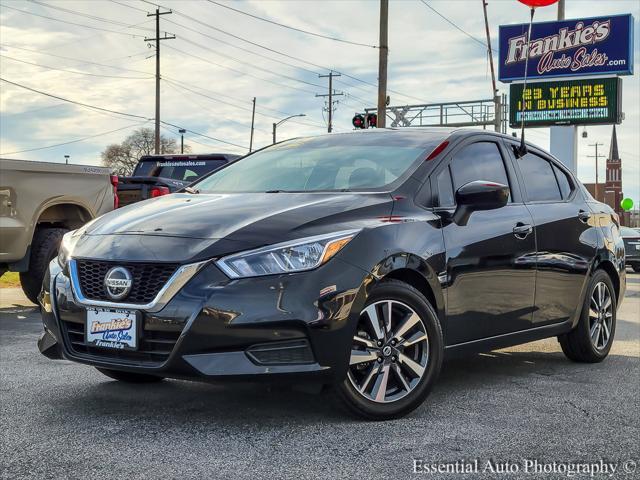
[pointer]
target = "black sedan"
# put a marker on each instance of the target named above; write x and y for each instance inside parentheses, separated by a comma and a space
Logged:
(358, 260)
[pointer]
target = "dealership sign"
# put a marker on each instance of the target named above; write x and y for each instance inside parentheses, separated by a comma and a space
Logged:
(590, 46)
(566, 102)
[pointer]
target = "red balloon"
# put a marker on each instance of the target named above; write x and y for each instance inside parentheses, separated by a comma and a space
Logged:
(538, 3)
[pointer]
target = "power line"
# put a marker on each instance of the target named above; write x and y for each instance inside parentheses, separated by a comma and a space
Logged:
(321, 67)
(81, 61)
(287, 77)
(327, 37)
(73, 101)
(129, 6)
(75, 141)
(168, 79)
(73, 23)
(235, 70)
(177, 88)
(86, 15)
(224, 42)
(93, 107)
(72, 71)
(453, 24)
(176, 84)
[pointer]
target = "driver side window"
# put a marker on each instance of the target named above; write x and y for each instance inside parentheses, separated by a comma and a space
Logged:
(478, 161)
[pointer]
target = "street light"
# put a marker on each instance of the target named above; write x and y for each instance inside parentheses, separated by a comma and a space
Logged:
(275, 125)
(182, 131)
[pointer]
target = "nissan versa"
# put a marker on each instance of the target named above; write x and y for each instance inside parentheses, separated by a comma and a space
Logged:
(359, 260)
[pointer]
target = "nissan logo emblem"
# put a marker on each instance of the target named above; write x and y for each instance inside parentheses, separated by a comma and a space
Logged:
(118, 282)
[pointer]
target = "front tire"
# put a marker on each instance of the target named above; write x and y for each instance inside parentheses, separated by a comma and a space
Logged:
(129, 377)
(396, 354)
(591, 340)
(636, 267)
(44, 248)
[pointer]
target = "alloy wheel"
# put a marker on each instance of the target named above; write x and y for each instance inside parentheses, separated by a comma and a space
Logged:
(600, 316)
(390, 352)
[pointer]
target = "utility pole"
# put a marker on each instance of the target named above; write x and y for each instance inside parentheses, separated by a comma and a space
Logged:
(496, 98)
(331, 94)
(182, 131)
(382, 64)
(561, 10)
(253, 118)
(157, 39)
(596, 156)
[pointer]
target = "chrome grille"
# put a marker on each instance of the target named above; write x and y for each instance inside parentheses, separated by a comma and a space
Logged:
(148, 279)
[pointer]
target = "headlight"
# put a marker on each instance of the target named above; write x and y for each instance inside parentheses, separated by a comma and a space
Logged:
(295, 256)
(66, 247)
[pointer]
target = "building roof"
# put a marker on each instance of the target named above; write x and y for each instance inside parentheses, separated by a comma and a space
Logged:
(613, 151)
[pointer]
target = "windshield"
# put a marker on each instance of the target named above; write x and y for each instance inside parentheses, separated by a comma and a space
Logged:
(183, 170)
(327, 163)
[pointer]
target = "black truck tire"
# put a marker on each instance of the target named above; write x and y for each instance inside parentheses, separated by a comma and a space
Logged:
(44, 248)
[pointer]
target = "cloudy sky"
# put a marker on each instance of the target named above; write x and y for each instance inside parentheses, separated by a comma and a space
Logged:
(93, 52)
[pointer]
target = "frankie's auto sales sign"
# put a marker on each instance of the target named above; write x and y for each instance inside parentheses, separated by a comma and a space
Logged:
(588, 46)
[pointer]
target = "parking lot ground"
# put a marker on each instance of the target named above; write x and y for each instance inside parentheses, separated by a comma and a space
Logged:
(63, 420)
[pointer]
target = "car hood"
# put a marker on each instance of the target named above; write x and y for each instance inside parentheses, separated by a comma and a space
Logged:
(184, 226)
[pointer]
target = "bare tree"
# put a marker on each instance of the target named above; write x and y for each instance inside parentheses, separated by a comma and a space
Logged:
(122, 158)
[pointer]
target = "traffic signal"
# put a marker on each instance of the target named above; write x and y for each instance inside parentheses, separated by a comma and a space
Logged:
(360, 121)
(372, 119)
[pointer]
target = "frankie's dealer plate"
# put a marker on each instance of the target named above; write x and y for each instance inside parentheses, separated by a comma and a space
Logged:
(111, 328)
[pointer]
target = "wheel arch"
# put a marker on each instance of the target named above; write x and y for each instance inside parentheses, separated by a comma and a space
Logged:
(70, 215)
(417, 272)
(608, 266)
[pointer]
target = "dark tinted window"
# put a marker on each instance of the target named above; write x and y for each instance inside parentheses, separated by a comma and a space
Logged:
(445, 190)
(479, 161)
(539, 179)
(184, 170)
(563, 181)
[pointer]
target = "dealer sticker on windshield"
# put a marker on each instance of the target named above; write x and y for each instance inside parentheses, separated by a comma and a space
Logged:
(112, 329)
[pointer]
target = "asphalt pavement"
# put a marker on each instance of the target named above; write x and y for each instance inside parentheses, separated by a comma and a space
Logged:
(506, 410)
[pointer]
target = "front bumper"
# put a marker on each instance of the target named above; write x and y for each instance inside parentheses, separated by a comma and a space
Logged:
(276, 327)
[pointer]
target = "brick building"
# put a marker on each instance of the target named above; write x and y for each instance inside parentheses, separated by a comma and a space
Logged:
(610, 192)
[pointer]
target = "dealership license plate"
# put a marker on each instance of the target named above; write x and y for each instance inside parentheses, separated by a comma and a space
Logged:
(112, 328)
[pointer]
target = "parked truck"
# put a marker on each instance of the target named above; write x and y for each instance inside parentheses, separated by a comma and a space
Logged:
(39, 203)
(157, 175)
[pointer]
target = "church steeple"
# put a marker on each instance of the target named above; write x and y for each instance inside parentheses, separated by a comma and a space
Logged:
(613, 151)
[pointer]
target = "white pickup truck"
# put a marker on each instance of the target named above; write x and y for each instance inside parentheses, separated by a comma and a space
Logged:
(40, 202)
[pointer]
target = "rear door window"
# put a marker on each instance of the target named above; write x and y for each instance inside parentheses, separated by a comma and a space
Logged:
(539, 179)
(563, 182)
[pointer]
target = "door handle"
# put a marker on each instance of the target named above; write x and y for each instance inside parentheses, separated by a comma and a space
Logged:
(521, 230)
(584, 216)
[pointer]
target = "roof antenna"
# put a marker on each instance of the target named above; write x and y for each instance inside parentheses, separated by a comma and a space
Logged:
(522, 149)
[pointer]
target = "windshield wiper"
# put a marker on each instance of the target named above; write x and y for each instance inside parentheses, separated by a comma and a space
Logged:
(277, 191)
(191, 190)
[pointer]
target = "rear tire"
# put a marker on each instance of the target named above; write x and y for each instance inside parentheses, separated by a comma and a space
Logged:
(393, 366)
(591, 340)
(44, 248)
(129, 377)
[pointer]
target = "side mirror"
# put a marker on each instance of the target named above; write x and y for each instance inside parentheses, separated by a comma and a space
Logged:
(479, 195)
